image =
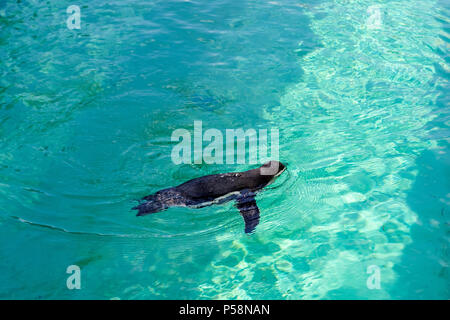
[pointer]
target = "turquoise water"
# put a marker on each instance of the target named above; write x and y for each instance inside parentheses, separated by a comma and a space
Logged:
(358, 90)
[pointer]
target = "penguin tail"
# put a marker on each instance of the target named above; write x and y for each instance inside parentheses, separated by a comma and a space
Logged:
(151, 205)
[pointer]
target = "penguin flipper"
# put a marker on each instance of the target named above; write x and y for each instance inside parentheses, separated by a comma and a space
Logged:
(246, 204)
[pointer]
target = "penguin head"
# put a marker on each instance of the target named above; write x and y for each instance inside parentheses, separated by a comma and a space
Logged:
(272, 168)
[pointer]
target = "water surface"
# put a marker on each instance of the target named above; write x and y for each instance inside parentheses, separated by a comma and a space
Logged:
(86, 116)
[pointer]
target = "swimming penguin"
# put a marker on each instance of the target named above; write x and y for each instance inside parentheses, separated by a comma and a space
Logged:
(217, 189)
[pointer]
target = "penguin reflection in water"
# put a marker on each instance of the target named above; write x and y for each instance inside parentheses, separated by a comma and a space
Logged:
(216, 189)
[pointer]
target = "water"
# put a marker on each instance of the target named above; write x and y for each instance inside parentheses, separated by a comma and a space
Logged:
(358, 90)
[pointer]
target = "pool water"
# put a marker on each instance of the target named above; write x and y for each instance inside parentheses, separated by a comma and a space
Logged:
(358, 90)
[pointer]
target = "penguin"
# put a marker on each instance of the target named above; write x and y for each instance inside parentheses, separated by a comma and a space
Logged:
(241, 187)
